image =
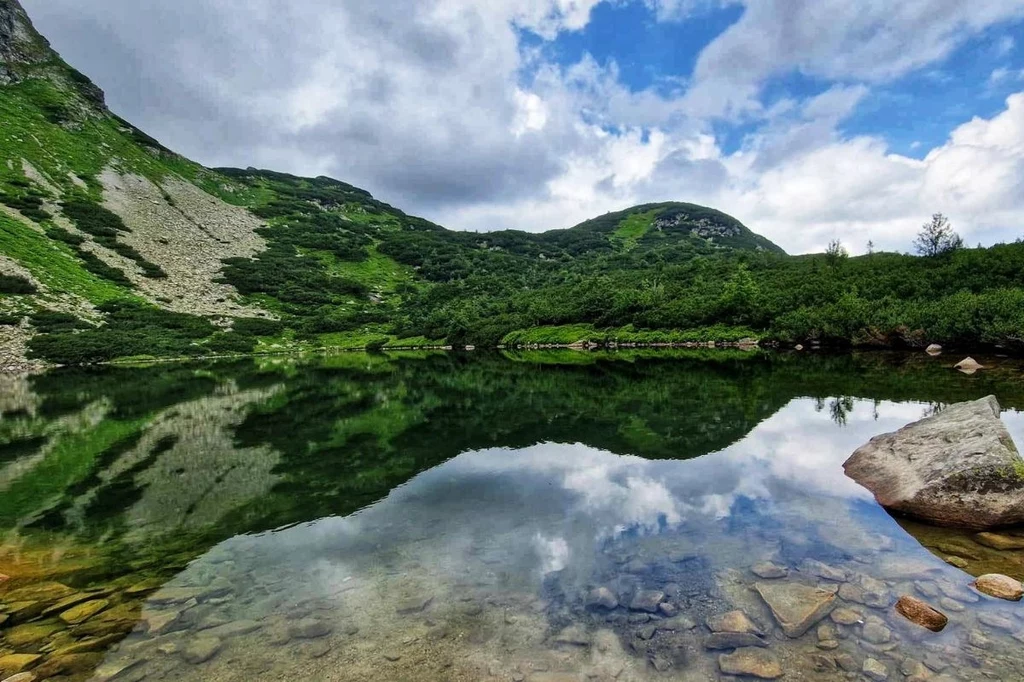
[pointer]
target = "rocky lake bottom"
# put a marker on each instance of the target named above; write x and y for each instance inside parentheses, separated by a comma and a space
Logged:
(440, 518)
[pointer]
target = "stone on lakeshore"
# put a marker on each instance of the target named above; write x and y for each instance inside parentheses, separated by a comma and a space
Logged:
(733, 640)
(647, 600)
(917, 611)
(968, 364)
(957, 561)
(84, 611)
(933, 349)
(309, 628)
(875, 669)
(752, 661)
(1001, 586)
(201, 649)
(997, 541)
(16, 663)
(797, 607)
(21, 677)
(29, 635)
(733, 621)
(959, 467)
(69, 664)
(769, 570)
(414, 604)
(601, 598)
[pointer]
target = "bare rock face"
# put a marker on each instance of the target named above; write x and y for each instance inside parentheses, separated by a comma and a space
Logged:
(957, 468)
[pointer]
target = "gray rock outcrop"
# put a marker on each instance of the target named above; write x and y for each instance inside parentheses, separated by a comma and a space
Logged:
(957, 468)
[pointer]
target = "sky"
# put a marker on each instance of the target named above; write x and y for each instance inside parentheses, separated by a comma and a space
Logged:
(809, 120)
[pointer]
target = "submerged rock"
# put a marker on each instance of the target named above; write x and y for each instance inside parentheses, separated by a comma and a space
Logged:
(16, 663)
(795, 606)
(1001, 586)
(956, 468)
(916, 611)
(751, 661)
(201, 650)
(647, 600)
(733, 621)
(769, 570)
(997, 541)
(601, 598)
(875, 669)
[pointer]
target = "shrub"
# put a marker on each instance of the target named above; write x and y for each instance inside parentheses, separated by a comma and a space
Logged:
(14, 284)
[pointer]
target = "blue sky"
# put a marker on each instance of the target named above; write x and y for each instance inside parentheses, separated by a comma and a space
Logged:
(809, 120)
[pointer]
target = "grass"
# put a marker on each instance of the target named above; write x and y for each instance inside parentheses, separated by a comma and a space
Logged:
(54, 264)
(585, 333)
(633, 227)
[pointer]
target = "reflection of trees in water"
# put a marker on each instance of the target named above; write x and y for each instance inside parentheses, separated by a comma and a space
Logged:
(839, 407)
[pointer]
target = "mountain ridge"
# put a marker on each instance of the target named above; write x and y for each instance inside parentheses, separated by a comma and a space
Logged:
(113, 246)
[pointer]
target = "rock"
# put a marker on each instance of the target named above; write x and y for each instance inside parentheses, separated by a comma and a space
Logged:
(681, 623)
(201, 650)
(796, 607)
(959, 562)
(976, 639)
(601, 598)
(309, 628)
(236, 628)
(845, 616)
(1001, 586)
(956, 468)
(958, 592)
(864, 589)
(49, 592)
(647, 600)
(16, 663)
(847, 662)
(768, 570)
(968, 364)
(733, 621)
(828, 644)
(876, 633)
(933, 349)
(822, 570)
(996, 541)
(413, 605)
(70, 664)
(21, 677)
(29, 635)
(875, 669)
(916, 611)
(996, 621)
(574, 635)
(84, 611)
(733, 640)
(751, 661)
(144, 587)
(668, 610)
(86, 646)
(951, 605)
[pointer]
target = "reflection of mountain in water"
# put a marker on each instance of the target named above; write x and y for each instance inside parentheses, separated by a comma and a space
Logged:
(242, 447)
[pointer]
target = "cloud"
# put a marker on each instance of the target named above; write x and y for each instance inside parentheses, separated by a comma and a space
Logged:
(441, 108)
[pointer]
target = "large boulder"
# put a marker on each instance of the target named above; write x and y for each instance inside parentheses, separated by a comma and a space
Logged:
(959, 468)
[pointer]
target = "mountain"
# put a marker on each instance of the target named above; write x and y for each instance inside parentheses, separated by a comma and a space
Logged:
(113, 246)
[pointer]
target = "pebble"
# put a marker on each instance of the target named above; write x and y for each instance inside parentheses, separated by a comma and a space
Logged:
(951, 605)
(309, 628)
(875, 669)
(647, 600)
(769, 570)
(201, 650)
(995, 621)
(916, 611)
(601, 597)
(876, 633)
(847, 662)
(979, 640)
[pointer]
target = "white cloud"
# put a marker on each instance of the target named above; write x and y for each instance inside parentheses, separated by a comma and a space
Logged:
(437, 108)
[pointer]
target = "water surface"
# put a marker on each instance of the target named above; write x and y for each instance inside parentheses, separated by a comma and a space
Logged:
(444, 517)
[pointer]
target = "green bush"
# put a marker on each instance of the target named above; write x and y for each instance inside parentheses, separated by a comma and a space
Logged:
(15, 284)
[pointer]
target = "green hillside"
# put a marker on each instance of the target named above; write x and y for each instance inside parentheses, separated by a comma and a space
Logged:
(112, 247)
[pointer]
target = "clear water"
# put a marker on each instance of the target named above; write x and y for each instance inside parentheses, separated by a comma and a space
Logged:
(445, 517)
